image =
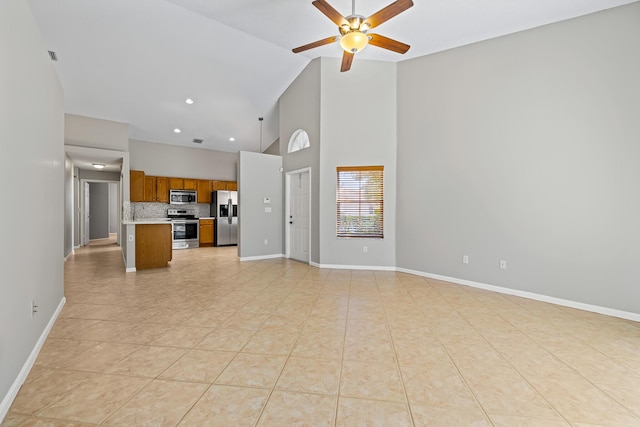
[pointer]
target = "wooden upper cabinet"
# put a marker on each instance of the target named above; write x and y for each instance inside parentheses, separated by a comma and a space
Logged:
(218, 185)
(175, 183)
(189, 184)
(145, 188)
(136, 186)
(162, 189)
(149, 188)
(204, 191)
(224, 185)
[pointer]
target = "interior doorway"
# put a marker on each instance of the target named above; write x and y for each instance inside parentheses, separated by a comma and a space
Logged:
(98, 210)
(298, 215)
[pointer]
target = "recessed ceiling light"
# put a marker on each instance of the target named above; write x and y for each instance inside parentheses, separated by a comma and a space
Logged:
(232, 139)
(189, 101)
(98, 165)
(176, 130)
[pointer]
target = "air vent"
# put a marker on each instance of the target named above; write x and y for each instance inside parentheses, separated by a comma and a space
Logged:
(52, 55)
(197, 141)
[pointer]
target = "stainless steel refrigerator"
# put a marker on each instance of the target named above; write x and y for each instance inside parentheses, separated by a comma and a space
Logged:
(224, 208)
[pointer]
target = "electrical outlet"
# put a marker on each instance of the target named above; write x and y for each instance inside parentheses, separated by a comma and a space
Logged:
(503, 264)
(34, 307)
(465, 259)
(365, 249)
(131, 237)
(266, 241)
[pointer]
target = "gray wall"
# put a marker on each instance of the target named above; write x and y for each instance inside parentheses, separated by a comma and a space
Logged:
(259, 177)
(32, 135)
(114, 218)
(182, 162)
(274, 148)
(300, 109)
(95, 133)
(68, 206)
(357, 137)
(525, 148)
(97, 175)
(99, 210)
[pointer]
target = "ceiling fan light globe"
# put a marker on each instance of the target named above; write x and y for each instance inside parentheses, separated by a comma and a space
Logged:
(354, 41)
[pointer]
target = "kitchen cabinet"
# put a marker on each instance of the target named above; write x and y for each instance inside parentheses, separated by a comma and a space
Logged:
(175, 183)
(153, 245)
(206, 232)
(224, 185)
(183, 183)
(162, 189)
(156, 189)
(189, 184)
(136, 186)
(149, 188)
(204, 191)
(218, 185)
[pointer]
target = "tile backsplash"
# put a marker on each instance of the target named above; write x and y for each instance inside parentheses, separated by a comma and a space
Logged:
(142, 210)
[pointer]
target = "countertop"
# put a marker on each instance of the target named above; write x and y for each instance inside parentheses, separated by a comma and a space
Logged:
(157, 220)
(148, 221)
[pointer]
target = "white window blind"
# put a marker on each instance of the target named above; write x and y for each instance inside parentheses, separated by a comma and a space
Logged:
(360, 201)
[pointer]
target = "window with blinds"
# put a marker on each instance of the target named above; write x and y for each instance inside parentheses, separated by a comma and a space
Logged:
(360, 201)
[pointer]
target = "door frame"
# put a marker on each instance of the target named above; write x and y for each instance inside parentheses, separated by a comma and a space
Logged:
(287, 210)
(81, 208)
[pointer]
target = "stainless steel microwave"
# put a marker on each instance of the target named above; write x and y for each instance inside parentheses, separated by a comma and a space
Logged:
(182, 197)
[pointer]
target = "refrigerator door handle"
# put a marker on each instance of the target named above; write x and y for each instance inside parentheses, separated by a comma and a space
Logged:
(230, 211)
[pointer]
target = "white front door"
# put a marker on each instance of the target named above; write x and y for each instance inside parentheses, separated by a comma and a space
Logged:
(299, 216)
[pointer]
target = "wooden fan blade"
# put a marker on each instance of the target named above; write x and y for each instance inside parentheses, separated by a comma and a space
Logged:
(330, 12)
(347, 59)
(315, 44)
(387, 43)
(388, 12)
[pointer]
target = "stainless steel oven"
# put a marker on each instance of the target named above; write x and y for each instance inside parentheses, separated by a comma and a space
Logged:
(185, 229)
(185, 233)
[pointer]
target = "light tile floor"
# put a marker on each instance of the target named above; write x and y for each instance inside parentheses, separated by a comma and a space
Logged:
(211, 341)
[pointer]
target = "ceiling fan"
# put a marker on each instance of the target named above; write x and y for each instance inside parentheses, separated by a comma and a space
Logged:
(353, 30)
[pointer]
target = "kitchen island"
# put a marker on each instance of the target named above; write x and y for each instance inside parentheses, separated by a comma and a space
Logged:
(148, 244)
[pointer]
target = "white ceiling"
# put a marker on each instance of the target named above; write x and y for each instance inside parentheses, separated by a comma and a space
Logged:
(136, 61)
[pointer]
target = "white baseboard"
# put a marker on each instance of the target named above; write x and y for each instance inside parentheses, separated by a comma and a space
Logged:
(530, 295)
(28, 364)
(259, 257)
(130, 270)
(355, 267)
(69, 256)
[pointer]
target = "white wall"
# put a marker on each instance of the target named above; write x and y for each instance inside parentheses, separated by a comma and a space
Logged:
(259, 177)
(31, 151)
(525, 148)
(360, 133)
(182, 162)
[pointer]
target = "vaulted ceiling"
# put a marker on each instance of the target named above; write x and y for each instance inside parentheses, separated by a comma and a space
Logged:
(138, 61)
